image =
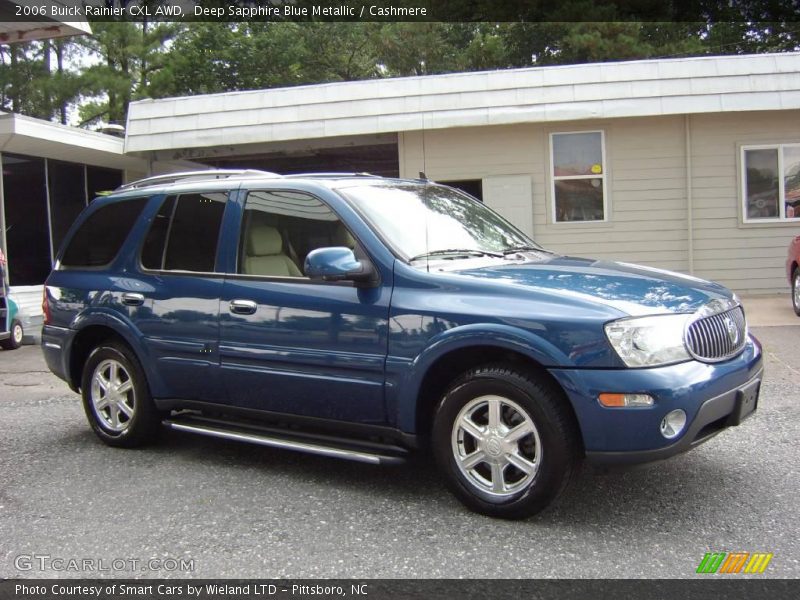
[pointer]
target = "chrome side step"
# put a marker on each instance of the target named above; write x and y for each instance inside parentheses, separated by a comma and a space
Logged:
(276, 441)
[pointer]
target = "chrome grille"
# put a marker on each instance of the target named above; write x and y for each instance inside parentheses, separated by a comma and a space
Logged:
(717, 337)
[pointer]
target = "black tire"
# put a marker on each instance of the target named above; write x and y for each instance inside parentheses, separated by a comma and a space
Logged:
(551, 451)
(14, 340)
(796, 291)
(111, 424)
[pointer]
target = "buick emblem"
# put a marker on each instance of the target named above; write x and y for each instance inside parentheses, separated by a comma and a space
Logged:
(733, 330)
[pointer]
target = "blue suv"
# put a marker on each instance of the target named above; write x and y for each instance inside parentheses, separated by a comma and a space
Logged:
(361, 317)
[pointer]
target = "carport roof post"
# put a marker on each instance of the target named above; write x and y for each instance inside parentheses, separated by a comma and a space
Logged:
(545, 94)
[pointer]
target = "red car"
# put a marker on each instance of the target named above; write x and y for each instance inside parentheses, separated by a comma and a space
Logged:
(793, 272)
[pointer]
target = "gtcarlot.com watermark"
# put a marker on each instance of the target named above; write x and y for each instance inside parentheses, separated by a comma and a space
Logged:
(47, 562)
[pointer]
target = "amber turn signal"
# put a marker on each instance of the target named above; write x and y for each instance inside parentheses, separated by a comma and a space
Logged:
(623, 400)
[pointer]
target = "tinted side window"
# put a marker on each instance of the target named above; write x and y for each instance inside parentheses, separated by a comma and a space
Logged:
(184, 233)
(280, 228)
(102, 234)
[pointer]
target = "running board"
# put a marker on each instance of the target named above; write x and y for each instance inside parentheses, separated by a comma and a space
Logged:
(273, 439)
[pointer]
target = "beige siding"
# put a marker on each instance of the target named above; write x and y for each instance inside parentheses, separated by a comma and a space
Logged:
(510, 195)
(646, 186)
(746, 257)
(646, 168)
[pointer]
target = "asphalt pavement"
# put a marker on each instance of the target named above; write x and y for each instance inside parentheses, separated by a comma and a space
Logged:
(232, 510)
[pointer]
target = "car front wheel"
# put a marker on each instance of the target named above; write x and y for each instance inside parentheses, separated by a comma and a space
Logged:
(505, 441)
(796, 291)
(116, 397)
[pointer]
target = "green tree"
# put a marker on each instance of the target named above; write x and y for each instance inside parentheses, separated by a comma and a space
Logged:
(35, 81)
(337, 51)
(129, 56)
(18, 70)
(200, 61)
(216, 57)
(579, 42)
(61, 85)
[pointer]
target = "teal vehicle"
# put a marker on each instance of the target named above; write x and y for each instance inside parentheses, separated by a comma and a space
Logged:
(11, 331)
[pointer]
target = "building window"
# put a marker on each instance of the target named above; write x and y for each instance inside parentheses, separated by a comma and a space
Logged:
(26, 219)
(67, 195)
(771, 183)
(40, 200)
(578, 176)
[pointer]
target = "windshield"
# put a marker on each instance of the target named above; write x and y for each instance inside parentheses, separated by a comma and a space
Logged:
(427, 221)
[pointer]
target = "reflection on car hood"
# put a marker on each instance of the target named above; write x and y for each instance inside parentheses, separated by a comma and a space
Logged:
(632, 289)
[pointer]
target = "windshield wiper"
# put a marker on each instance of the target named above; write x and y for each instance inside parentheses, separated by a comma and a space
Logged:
(456, 251)
(516, 249)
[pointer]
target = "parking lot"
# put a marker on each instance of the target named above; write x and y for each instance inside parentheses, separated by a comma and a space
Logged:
(223, 509)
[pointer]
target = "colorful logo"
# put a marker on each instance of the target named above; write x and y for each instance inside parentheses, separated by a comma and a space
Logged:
(734, 562)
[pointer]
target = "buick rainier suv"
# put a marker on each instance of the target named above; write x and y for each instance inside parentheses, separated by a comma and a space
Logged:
(366, 318)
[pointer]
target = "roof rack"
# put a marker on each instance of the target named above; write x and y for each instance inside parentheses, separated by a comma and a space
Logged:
(328, 175)
(190, 175)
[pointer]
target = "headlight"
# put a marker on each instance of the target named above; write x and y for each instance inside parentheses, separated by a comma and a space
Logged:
(649, 341)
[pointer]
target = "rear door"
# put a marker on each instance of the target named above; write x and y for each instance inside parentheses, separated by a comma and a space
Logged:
(178, 302)
(291, 345)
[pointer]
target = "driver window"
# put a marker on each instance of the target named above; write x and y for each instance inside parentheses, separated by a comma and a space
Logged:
(280, 228)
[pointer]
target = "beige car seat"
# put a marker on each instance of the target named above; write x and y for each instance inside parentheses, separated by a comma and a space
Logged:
(342, 237)
(264, 253)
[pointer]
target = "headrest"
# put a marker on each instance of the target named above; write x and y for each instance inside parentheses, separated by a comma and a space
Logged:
(264, 240)
(342, 237)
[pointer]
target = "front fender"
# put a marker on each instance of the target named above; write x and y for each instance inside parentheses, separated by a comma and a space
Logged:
(13, 311)
(405, 377)
(128, 331)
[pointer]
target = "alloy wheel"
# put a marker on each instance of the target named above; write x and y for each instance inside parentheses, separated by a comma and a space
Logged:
(496, 445)
(113, 396)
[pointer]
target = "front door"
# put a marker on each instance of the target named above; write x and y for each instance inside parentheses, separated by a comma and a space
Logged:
(291, 345)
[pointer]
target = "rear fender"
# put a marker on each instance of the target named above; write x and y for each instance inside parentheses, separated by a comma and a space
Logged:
(129, 333)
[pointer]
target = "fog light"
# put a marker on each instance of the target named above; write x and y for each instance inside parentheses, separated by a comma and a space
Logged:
(622, 400)
(672, 425)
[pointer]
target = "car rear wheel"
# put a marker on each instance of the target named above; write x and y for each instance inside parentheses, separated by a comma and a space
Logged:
(14, 340)
(116, 397)
(796, 291)
(505, 441)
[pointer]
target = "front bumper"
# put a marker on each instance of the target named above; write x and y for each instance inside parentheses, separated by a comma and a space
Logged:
(714, 397)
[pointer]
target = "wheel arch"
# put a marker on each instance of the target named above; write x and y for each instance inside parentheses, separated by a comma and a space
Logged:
(462, 349)
(93, 330)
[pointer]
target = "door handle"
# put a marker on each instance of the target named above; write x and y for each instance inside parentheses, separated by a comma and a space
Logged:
(132, 299)
(243, 307)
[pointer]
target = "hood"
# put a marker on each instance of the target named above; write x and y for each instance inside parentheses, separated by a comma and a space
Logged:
(630, 289)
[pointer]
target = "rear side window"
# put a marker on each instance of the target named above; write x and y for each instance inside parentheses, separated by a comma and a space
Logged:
(98, 240)
(184, 233)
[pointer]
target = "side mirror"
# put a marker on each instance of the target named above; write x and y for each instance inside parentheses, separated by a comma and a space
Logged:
(337, 264)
